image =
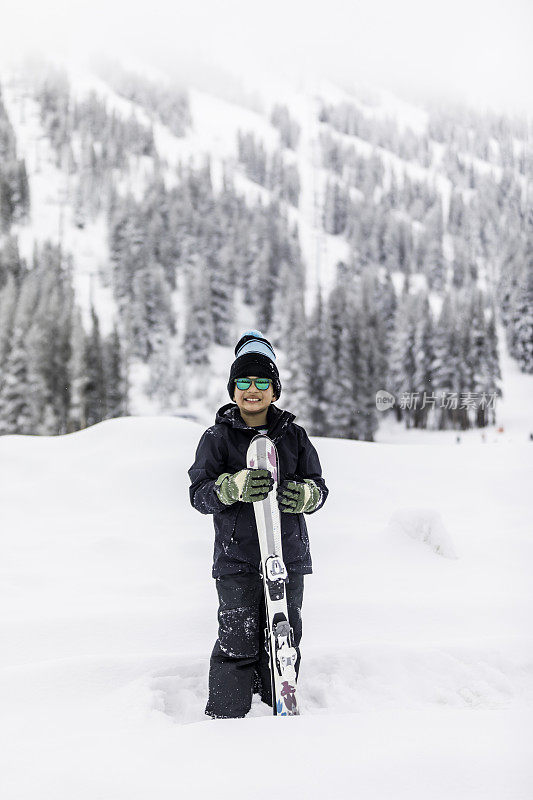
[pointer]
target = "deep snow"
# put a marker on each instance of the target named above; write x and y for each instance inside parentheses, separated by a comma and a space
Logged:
(417, 671)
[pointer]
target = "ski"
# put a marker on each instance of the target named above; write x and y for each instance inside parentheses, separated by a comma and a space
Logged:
(262, 454)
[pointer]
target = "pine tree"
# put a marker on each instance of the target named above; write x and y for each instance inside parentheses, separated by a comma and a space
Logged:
(447, 363)
(391, 245)
(424, 358)
(335, 208)
(267, 269)
(221, 289)
(11, 262)
(78, 378)
(23, 192)
(340, 396)
(522, 310)
(434, 266)
(151, 311)
(318, 376)
(198, 323)
(45, 416)
(511, 259)
(484, 358)
(288, 128)
(53, 319)
(95, 389)
(456, 212)
(114, 377)
(523, 320)
(338, 357)
(15, 407)
(6, 205)
(493, 375)
(387, 304)
(377, 305)
(256, 261)
(8, 302)
(298, 367)
(167, 382)
(365, 375)
(461, 261)
(402, 359)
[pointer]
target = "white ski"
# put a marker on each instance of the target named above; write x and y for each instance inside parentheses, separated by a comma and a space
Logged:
(262, 454)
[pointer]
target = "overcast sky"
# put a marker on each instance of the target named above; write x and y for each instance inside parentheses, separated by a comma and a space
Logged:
(477, 49)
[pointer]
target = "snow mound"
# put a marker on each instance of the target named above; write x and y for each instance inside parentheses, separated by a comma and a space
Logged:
(424, 525)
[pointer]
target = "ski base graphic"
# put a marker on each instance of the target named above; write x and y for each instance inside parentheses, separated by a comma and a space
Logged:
(262, 454)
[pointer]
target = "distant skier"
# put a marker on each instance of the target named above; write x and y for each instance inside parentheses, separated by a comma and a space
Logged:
(222, 485)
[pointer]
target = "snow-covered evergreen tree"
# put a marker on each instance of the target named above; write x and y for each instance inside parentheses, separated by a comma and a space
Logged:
(434, 265)
(114, 377)
(151, 310)
(288, 127)
(15, 407)
(198, 322)
(8, 301)
(336, 365)
(336, 204)
(318, 377)
(78, 378)
(522, 306)
(94, 390)
(402, 355)
(366, 376)
(298, 368)
(424, 359)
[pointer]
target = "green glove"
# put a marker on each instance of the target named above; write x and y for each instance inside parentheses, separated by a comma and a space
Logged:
(247, 485)
(295, 497)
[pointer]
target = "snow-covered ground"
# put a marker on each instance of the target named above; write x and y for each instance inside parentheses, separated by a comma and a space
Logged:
(417, 670)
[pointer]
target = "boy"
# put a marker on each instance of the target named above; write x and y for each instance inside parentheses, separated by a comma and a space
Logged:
(222, 485)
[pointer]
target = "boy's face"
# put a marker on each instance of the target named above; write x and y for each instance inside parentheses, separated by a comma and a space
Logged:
(253, 401)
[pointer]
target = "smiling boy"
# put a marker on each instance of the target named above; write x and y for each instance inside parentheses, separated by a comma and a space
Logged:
(222, 485)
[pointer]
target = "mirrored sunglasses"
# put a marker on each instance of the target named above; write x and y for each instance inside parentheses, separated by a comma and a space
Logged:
(260, 383)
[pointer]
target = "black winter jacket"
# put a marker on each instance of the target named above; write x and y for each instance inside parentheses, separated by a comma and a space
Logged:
(222, 448)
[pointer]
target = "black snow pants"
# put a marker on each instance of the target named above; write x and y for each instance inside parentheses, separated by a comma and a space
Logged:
(239, 664)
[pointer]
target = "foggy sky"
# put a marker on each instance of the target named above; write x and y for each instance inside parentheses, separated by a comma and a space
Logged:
(477, 50)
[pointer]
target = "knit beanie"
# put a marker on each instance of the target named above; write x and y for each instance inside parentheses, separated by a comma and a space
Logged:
(254, 356)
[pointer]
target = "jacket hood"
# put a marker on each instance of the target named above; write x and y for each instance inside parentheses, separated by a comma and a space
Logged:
(277, 419)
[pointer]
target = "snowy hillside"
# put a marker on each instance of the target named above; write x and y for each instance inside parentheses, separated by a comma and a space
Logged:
(370, 239)
(213, 134)
(215, 125)
(417, 657)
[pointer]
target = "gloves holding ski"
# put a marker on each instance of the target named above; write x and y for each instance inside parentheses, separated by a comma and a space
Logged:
(295, 497)
(247, 485)
(251, 485)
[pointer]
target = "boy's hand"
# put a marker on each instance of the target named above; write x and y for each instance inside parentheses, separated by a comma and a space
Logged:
(295, 497)
(247, 485)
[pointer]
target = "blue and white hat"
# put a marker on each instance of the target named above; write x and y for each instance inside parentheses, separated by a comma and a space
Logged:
(254, 356)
